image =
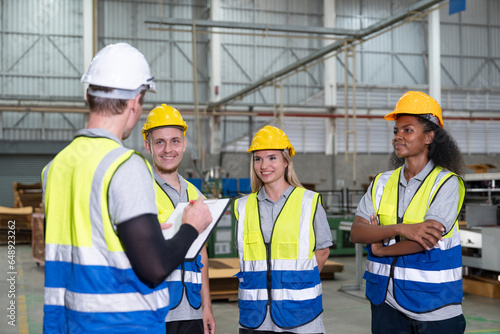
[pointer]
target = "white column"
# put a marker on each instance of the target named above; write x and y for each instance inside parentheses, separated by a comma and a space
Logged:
(330, 75)
(215, 54)
(434, 55)
(215, 77)
(88, 36)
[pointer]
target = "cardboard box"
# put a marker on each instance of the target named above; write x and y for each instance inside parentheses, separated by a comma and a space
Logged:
(481, 286)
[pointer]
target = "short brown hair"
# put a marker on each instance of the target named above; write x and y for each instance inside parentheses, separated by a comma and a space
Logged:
(106, 106)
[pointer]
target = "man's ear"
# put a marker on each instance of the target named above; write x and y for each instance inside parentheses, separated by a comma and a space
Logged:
(135, 102)
(147, 146)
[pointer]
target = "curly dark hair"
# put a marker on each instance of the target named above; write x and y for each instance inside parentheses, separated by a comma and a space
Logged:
(443, 150)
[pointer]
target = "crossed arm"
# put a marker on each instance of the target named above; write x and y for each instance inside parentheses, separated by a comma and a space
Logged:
(419, 237)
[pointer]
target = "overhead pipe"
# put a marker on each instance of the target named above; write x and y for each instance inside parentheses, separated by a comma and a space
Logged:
(417, 7)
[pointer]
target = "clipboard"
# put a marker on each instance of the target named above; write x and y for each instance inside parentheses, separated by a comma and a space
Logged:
(217, 208)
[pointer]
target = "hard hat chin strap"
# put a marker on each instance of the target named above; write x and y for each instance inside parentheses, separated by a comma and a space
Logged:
(122, 94)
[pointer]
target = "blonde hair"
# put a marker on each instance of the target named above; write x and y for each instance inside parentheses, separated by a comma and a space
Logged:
(290, 175)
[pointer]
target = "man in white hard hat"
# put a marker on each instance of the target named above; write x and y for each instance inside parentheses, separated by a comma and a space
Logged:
(105, 258)
(164, 136)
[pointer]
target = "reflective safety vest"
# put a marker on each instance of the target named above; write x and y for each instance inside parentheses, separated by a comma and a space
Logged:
(187, 276)
(427, 280)
(90, 286)
(284, 272)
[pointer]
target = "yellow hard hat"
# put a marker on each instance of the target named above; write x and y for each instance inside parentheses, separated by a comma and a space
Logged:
(163, 116)
(271, 138)
(417, 103)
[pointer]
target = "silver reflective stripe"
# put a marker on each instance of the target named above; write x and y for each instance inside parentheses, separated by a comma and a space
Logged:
(45, 175)
(305, 224)
(86, 256)
(103, 303)
(175, 276)
(378, 268)
(191, 276)
(260, 265)
(302, 294)
(295, 265)
(96, 215)
(252, 294)
(379, 189)
(241, 227)
(300, 264)
(440, 276)
(440, 175)
(54, 296)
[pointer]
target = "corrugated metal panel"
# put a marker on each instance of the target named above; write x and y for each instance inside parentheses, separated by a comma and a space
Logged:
(474, 40)
(460, 132)
(493, 137)
(478, 137)
(476, 13)
(44, 50)
(40, 126)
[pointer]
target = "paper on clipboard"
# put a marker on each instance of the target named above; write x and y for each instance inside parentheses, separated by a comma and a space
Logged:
(217, 208)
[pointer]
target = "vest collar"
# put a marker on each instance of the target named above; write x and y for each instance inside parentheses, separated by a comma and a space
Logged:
(98, 133)
(164, 183)
(420, 176)
(262, 195)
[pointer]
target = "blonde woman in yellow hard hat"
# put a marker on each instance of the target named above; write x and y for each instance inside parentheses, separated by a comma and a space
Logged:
(164, 136)
(283, 242)
(409, 216)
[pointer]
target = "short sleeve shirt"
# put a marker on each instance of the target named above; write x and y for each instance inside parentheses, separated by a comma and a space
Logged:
(183, 311)
(269, 211)
(443, 209)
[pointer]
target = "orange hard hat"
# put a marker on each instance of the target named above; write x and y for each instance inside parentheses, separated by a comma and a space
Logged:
(417, 103)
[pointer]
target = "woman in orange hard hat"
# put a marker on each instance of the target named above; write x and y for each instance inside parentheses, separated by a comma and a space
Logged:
(283, 242)
(409, 216)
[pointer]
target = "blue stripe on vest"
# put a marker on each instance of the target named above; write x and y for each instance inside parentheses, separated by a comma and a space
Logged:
(175, 288)
(252, 313)
(253, 279)
(296, 311)
(109, 323)
(94, 279)
(447, 293)
(430, 260)
(295, 280)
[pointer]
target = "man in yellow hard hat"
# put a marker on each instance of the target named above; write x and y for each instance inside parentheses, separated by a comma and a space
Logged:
(105, 258)
(164, 138)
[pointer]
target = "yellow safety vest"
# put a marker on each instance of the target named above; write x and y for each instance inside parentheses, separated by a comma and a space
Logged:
(283, 273)
(87, 273)
(419, 279)
(187, 276)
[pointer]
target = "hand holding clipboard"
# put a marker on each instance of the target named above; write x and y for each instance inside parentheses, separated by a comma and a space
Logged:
(217, 208)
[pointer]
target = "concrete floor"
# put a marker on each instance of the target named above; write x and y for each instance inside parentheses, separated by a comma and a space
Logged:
(343, 313)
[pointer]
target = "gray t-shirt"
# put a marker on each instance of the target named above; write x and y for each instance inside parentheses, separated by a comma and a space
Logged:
(269, 211)
(443, 209)
(183, 311)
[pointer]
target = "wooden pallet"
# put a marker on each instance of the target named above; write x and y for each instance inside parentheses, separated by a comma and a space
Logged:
(27, 195)
(15, 222)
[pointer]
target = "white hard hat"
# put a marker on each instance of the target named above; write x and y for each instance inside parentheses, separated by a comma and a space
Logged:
(119, 66)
